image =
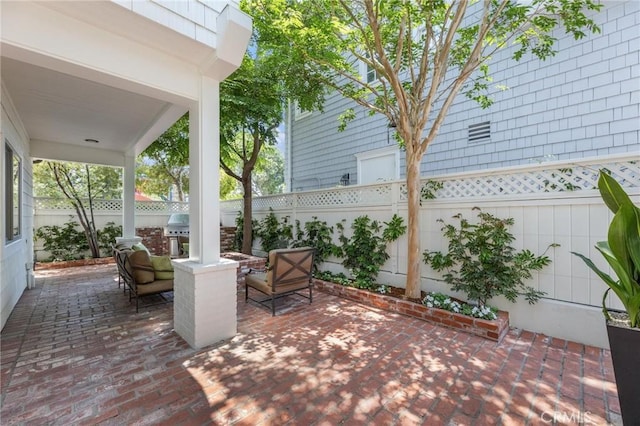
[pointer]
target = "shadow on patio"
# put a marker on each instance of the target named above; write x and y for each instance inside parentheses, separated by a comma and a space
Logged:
(75, 352)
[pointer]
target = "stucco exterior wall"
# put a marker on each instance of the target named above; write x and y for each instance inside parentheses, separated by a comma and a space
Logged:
(584, 102)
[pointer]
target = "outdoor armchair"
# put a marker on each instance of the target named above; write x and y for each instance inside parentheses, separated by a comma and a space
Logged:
(289, 271)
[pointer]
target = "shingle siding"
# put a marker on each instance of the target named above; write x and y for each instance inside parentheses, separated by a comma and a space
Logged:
(583, 102)
(326, 154)
(194, 18)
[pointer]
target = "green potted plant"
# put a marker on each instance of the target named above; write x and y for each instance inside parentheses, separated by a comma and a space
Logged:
(622, 253)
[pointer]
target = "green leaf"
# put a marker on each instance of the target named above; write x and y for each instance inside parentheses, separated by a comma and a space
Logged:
(625, 282)
(603, 275)
(617, 238)
(631, 215)
(612, 193)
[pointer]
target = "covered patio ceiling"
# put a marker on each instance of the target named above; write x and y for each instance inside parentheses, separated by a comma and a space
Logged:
(80, 72)
(62, 110)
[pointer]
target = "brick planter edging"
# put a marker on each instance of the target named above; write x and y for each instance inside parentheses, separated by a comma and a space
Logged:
(245, 262)
(493, 330)
(74, 263)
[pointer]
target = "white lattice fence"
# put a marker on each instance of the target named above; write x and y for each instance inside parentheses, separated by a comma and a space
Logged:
(162, 207)
(348, 196)
(540, 179)
(282, 201)
(113, 206)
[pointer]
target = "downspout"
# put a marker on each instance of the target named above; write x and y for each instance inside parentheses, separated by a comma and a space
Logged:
(288, 149)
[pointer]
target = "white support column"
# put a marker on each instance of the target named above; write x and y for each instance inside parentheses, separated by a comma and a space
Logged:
(204, 187)
(204, 301)
(129, 202)
(205, 285)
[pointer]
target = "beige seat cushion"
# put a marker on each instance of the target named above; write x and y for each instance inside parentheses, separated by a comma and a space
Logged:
(142, 269)
(157, 286)
(257, 281)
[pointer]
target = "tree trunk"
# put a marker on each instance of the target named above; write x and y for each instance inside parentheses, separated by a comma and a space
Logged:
(247, 231)
(413, 288)
(92, 236)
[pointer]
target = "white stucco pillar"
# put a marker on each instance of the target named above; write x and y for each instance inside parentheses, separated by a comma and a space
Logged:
(205, 285)
(129, 202)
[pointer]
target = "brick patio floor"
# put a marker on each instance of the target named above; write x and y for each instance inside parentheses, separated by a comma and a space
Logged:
(75, 352)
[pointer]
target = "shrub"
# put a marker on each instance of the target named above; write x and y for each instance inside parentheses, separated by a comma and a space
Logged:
(482, 263)
(239, 235)
(64, 242)
(366, 251)
(319, 235)
(107, 237)
(274, 234)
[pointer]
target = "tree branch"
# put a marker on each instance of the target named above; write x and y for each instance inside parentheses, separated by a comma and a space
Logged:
(228, 171)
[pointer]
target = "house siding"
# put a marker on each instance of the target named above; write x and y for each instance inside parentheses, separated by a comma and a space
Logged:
(583, 102)
(16, 256)
(195, 19)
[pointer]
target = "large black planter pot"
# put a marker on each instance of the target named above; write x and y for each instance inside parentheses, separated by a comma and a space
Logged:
(625, 354)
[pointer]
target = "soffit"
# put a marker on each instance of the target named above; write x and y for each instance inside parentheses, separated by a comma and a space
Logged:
(61, 108)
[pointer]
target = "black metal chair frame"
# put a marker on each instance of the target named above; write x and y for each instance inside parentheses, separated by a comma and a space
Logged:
(283, 279)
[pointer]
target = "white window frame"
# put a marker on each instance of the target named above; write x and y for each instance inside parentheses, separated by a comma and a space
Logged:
(12, 201)
(377, 153)
(364, 70)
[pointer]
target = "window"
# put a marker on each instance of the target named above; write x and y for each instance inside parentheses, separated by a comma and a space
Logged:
(480, 132)
(372, 74)
(368, 73)
(13, 187)
(298, 113)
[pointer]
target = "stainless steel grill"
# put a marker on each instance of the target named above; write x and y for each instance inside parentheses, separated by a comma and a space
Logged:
(177, 230)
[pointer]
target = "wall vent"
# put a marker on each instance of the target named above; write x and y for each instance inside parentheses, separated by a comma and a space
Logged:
(480, 132)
